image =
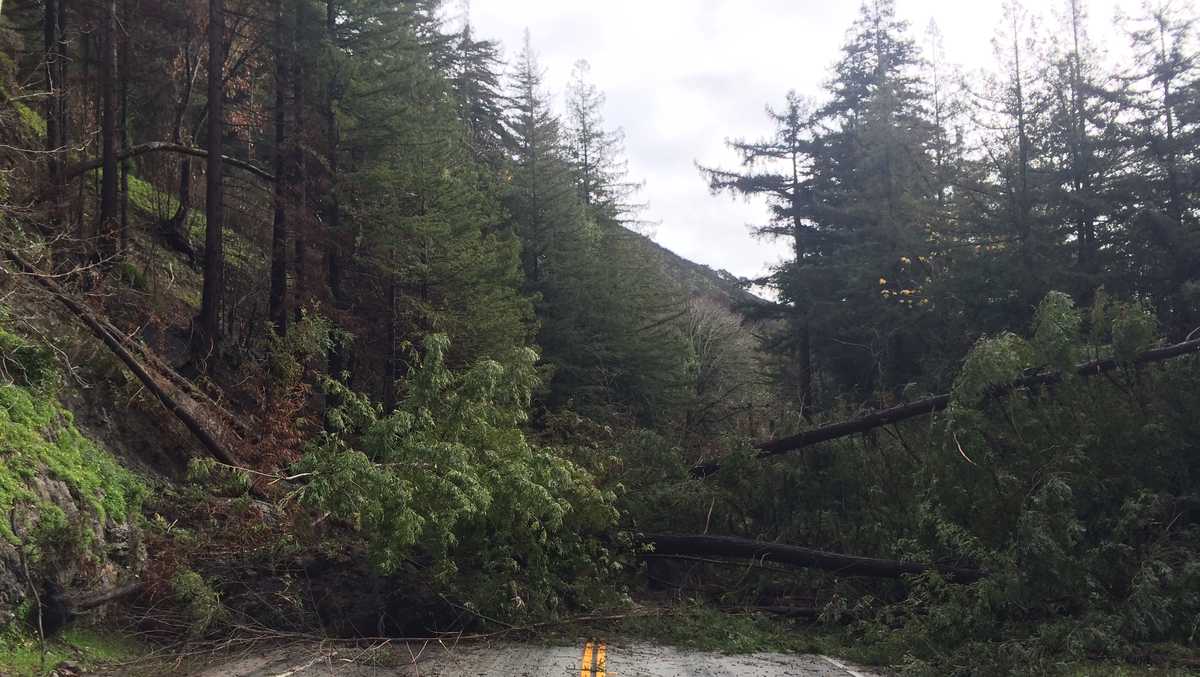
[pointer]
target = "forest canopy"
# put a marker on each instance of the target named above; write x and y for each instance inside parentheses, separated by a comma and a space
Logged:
(383, 314)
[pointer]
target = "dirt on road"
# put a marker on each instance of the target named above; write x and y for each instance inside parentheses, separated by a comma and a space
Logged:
(583, 659)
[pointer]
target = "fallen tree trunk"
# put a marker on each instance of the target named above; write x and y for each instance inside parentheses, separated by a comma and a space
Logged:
(211, 443)
(688, 545)
(164, 147)
(938, 403)
(179, 381)
(101, 598)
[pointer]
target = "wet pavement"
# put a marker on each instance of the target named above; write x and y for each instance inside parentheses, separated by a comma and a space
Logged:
(584, 659)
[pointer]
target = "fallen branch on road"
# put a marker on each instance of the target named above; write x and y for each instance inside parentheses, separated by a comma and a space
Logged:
(688, 545)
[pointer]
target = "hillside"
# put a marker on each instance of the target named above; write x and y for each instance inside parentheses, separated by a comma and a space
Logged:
(320, 322)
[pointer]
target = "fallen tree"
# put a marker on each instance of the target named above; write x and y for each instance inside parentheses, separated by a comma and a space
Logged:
(690, 546)
(199, 429)
(938, 403)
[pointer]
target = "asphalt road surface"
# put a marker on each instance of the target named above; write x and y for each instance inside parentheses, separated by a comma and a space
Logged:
(585, 659)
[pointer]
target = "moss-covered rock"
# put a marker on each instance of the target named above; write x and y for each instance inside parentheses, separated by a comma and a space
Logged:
(66, 504)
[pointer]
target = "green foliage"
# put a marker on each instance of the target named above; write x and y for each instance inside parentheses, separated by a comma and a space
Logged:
(89, 647)
(513, 527)
(695, 626)
(1077, 498)
(26, 364)
(1056, 326)
(38, 436)
(200, 601)
(313, 336)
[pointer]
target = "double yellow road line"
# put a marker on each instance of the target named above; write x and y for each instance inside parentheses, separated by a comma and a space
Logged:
(594, 662)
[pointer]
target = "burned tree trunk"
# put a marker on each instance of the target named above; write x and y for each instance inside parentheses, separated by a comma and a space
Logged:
(207, 335)
(279, 230)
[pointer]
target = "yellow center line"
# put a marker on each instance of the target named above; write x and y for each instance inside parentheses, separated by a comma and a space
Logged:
(601, 661)
(585, 666)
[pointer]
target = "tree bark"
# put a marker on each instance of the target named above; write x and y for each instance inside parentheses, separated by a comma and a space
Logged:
(758, 551)
(937, 403)
(215, 447)
(123, 75)
(301, 222)
(106, 230)
(208, 324)
(54, 58)
(279, 231)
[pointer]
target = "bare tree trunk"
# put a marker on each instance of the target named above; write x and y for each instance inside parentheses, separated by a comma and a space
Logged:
(54, 84)
(208, 329)
(338, 360)
(123, 66)
(332, 210)
(392, 369)
(107, 222)
(279, 231)
(300, 187)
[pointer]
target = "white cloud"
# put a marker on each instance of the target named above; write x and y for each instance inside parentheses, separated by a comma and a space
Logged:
(681, 76)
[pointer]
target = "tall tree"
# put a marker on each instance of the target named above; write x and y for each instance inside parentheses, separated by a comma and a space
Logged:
(108, 223)
(1165, 131)
(278, 304)
(873, 179)
(596, 151)
(208, 324)
(778, 170)
(479, 93)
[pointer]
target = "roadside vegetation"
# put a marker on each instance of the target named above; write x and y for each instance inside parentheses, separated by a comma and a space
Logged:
(319, 320)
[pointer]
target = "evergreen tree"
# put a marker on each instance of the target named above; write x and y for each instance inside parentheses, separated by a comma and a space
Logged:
(877, 198)
(596, 152)
(1164, 131)
(779, 170)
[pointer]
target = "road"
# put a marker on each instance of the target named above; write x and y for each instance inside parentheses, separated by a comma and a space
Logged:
(584, 659)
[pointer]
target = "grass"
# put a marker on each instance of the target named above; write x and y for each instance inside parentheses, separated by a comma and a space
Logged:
(156, 204)
(90, 648)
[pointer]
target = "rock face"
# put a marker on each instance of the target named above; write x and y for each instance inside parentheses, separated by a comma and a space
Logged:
(77, 551)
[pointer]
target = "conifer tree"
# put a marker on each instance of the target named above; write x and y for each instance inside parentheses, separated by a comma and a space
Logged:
(872, 179)
(778, 169)
(1164, 132)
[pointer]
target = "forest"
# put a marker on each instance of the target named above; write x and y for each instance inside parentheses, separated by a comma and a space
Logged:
(323, 318)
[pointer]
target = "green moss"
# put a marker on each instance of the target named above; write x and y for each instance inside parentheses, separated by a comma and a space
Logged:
(153, 202)
(91, 648)
(32, 119)
(38, 436)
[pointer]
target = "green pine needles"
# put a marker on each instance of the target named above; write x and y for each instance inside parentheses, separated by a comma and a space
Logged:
(451, 476)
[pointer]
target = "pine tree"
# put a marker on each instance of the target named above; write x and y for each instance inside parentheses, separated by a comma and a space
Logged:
(778, 170)
(877, 199)
(597, 152)
(476, 78)
(1164, 131)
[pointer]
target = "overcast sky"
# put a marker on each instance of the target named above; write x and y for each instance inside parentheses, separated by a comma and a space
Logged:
(681, 76)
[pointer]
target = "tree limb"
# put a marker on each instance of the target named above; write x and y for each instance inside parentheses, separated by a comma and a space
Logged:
(794, 555)
(164, 147)
(211, 443)
(938, 403)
